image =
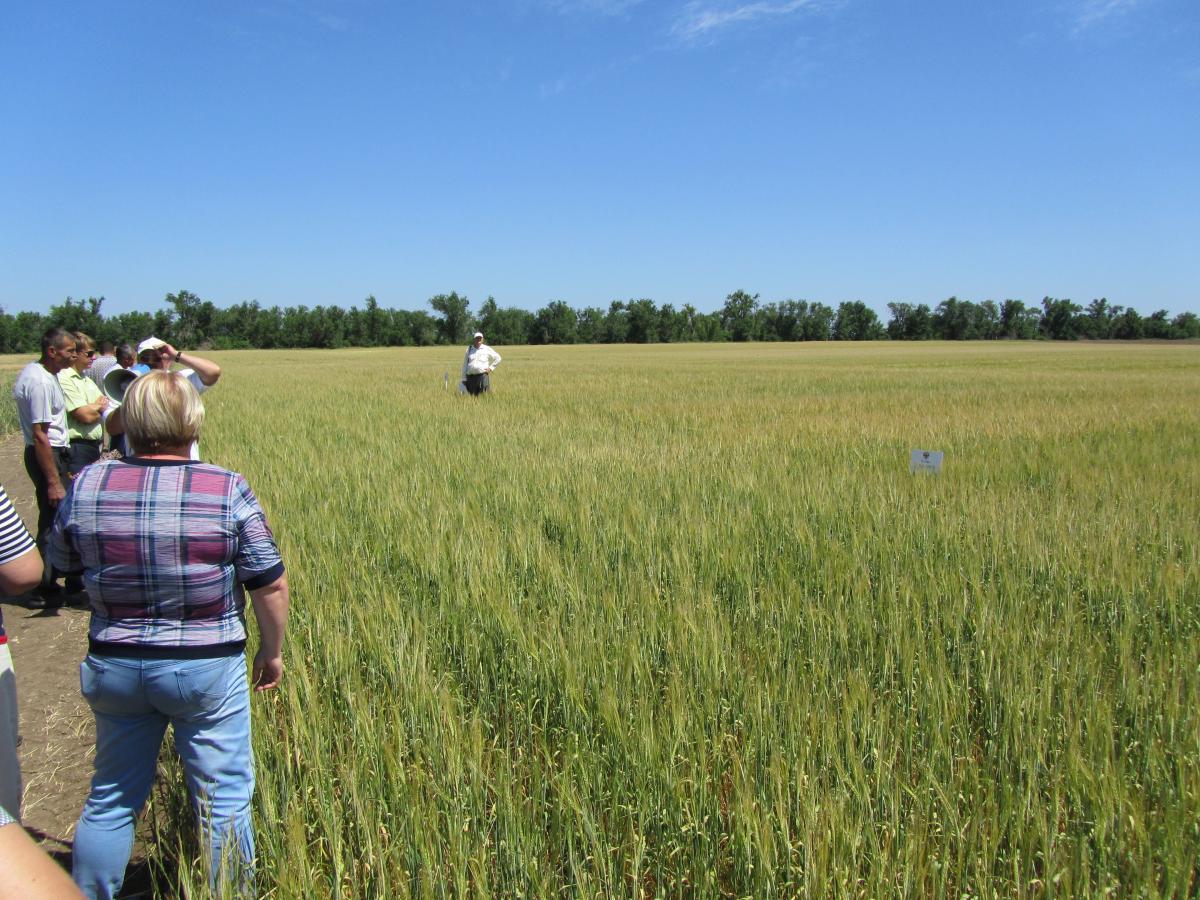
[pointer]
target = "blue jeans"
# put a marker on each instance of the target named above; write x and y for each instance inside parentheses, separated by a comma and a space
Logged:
(208, 703)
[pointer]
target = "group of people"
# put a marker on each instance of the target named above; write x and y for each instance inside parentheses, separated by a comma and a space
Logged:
(165, 548)
(66, 419)
(162, 548)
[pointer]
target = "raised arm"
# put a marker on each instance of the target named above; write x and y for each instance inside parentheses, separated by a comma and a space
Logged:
(208, 370)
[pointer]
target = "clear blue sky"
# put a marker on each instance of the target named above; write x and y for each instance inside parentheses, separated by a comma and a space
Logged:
(316, 151)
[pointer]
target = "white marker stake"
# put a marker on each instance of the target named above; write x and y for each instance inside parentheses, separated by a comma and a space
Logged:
(925, 461)
(446, 382)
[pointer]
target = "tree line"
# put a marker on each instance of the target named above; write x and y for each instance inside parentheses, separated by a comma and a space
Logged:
(188, 321)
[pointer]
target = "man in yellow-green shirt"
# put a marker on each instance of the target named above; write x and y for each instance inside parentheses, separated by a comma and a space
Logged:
(85, 407)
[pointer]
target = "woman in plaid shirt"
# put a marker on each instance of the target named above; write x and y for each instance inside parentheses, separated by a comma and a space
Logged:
(166, 546)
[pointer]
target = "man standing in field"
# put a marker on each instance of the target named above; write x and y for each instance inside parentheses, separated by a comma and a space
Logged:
(480, 361)
(42, 411)
(85, 406)
(156, 354)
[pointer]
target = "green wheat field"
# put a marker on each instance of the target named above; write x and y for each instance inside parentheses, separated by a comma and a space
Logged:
(677, 621)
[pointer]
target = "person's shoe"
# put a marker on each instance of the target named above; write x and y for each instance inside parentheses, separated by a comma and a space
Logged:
(75, 593)
(79, 600)
(41, 598)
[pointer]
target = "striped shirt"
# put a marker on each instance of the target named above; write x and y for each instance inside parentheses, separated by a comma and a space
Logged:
(166, 547)
(14, 541)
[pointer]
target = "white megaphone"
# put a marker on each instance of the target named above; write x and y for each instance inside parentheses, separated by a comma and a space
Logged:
(117, 382)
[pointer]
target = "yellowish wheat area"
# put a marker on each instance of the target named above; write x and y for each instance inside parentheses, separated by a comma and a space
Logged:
(677, 620)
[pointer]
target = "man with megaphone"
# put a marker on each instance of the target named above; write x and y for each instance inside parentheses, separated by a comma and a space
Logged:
(156, 354)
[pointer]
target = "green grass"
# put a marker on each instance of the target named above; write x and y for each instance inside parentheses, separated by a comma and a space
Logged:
(9, 423)
(677, 621)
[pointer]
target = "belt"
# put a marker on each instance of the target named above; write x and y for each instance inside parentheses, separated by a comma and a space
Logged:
(93, 441)
(54, 448)
(152, 651)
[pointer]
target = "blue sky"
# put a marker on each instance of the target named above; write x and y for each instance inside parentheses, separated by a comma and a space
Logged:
(304, 152)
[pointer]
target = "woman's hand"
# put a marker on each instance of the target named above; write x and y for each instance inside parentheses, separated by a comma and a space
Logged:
(270, 603)
(267, 671)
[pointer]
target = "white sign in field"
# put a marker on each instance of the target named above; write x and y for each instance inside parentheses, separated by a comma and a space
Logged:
(925, 461)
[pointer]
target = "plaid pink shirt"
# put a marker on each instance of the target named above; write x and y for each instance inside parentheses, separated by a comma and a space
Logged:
(166, 547)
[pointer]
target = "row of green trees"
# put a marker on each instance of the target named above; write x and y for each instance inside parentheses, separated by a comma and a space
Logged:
(189, 321)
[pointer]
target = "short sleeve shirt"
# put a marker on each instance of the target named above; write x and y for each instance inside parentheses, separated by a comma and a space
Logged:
(79, 390)
(165, 548)
(194, 378)
(40, 400)
(201, 387)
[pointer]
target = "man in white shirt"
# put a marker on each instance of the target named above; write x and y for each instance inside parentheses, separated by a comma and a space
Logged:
(42, 411)
(480, 361)
(153, 353)
(158, 354)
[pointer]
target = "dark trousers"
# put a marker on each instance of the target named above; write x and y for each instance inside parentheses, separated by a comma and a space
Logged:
(83, 453)
(41, 489)
(478, 384)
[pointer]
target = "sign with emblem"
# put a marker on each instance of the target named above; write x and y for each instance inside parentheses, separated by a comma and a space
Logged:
(925, 461)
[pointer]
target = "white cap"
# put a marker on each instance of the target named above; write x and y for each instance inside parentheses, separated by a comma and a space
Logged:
(477, 334)
(150, 343)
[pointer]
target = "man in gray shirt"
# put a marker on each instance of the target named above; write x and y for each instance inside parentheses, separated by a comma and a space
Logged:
(102, 363)
(42, 411)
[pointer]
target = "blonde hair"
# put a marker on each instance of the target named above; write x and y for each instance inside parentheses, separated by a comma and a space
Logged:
(83, 342)
(161, 410)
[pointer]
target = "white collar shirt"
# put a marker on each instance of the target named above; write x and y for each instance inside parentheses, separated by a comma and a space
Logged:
(480, 359)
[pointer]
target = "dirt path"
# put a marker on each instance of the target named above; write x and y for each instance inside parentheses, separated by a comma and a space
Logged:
(57, 733)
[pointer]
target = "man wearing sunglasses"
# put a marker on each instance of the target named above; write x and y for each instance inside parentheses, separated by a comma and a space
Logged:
(85, 406)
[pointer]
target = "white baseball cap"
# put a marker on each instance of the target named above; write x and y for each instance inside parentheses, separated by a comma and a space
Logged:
(150, 343)
(477, 334)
